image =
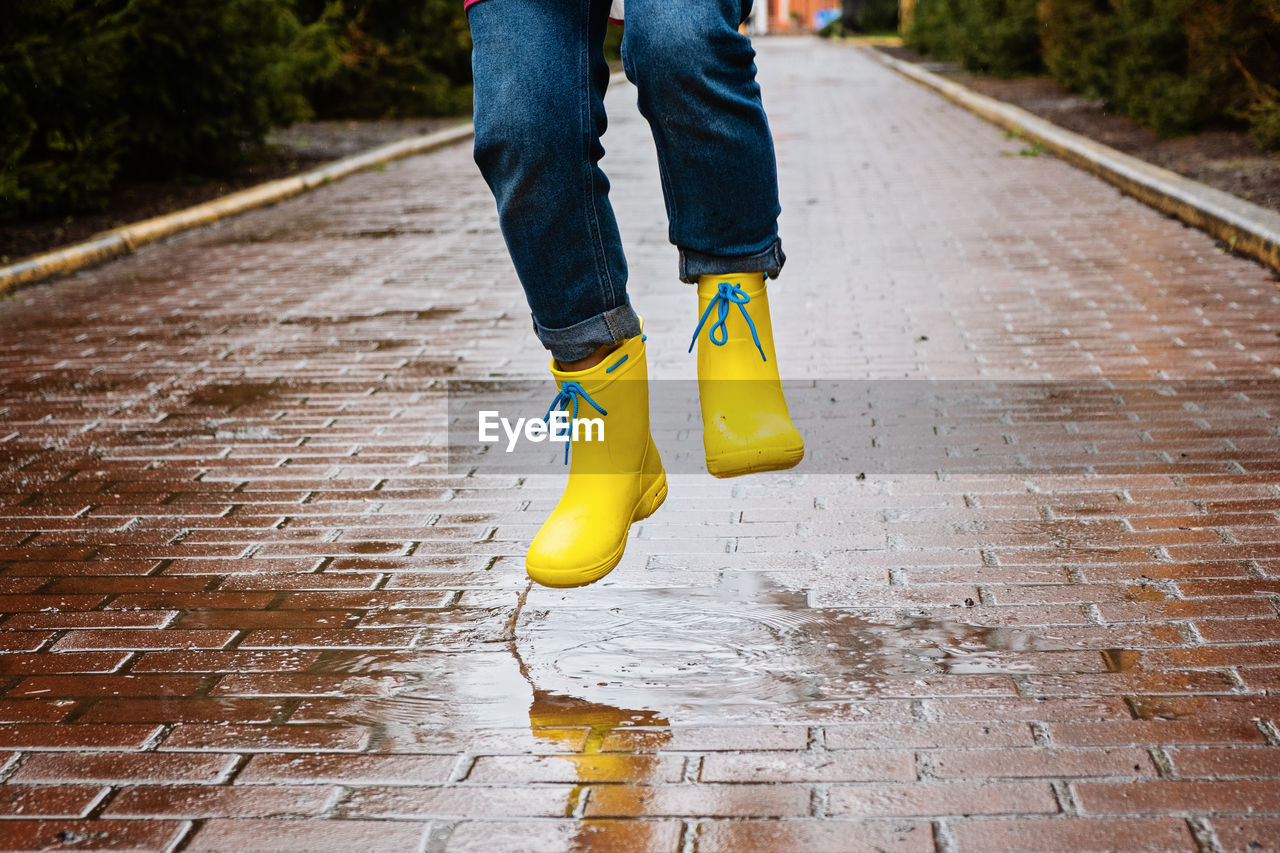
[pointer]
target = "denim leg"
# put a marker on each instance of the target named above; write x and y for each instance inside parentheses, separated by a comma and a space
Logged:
(540, 77)
(696, 80)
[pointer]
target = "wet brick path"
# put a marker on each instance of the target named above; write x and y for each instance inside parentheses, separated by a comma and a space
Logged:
(248, 607)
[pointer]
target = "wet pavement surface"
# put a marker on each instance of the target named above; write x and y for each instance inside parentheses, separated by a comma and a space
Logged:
(250, 606)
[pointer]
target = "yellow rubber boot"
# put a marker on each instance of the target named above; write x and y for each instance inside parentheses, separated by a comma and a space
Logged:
(612, 482)
(746, 427)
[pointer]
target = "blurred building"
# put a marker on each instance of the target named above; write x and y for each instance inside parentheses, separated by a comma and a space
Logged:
(797, 14)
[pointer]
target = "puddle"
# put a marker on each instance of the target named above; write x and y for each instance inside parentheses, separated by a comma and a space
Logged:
(1121, 660)
(745, 650)
(231, 396)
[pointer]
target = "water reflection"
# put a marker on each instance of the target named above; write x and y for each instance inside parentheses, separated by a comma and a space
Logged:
(551, 715)
(747, 649)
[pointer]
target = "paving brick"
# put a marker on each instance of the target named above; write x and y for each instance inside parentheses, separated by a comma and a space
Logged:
(77, 662)
(809, 767)
(46, 801)
(168, 710)
(23, 641)
(130, 639)
(348, 769)
(1225, 762)
(115, 585)
(91, 619)
(1038, 763)
(1142, 732)
(107, 685)
(709, 800)
(513, 769)
(198, 737)
(267, 619)
(864, 836)
(1248, 835)
(706, 738)
(305, 684)
(928, 735)
(459, 801)
(1096, 835)
(305, 836)
(397, 599)
(949, 798)
(114, 768)
(35, 736)
(38, 603)
(1242, 708)
(224, 661)
(358, 638)
(218, 801)
(35, 710)
(552, 836)
(1178, 796)
(1240, 630)
(137, 836)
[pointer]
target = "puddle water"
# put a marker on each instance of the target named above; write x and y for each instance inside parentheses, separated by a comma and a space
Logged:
(232, 396)
(745, 650)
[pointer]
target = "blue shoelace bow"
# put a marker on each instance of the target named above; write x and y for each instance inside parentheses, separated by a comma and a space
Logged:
(568, 396)
(727, 294)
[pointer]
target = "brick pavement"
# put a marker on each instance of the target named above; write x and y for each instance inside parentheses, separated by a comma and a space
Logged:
(249, 608)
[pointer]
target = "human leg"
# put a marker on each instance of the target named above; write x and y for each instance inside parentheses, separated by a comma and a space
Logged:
(695, 77)
(695, 81)
(540, 77)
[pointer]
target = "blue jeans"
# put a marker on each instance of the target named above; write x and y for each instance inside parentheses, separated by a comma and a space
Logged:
(540, 79)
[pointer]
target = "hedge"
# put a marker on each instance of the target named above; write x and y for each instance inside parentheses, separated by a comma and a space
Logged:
(61, 136)
(91, 90)
(863, 16)
(1173, 65)
(991, 36)
(395, 58)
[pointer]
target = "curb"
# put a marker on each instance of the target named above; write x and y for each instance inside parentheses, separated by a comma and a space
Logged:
(1248, 228)
(127, 239)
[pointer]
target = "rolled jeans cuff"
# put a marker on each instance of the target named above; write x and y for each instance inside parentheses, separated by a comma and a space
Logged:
(694, 264)
(581, 339)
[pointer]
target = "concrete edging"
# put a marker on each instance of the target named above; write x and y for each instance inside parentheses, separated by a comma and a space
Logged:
(128, 238)
(1249, 229)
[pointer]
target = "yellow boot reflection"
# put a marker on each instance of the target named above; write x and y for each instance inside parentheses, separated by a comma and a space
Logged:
(605, 762)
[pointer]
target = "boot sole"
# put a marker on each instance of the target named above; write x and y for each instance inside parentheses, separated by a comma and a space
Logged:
(754, 461)
(645, 507)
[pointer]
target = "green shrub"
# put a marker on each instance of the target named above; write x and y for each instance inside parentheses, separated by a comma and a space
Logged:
(394, 58)
(935, 29)
(992, 36)
(204, 81)
(60, 138)
(1000, 37)
(1172, 65)
(1154, 83)
(1235, 46)
(1079, 40)
(152, 88)
(868, 16)
(90, 89)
